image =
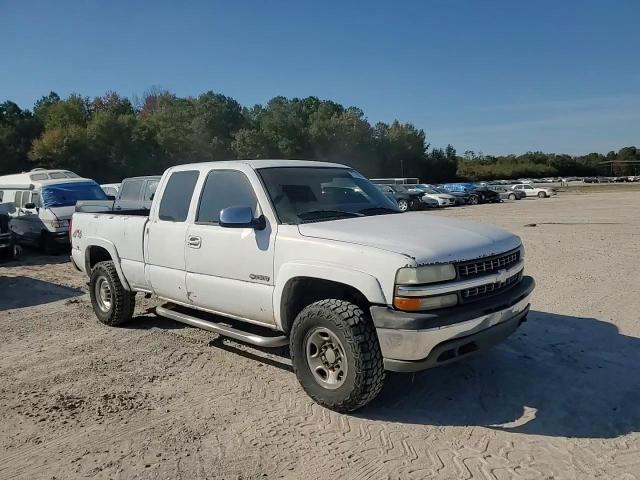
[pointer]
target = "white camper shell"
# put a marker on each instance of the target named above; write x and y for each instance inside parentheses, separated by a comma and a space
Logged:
(44, 221)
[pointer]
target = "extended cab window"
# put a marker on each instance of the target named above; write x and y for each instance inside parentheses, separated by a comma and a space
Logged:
(176, 198)
(150, 190)
(222, 189)
(131, 190)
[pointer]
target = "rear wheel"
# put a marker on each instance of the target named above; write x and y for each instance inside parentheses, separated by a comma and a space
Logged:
(112, 303)
(336, 355)
(512, 196)
(403, 205)
(48, 245)
(473, 200)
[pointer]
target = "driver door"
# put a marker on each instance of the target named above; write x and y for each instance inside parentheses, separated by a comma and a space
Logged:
(230, 270)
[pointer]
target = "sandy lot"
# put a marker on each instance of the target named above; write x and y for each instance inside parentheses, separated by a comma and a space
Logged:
(560, 399)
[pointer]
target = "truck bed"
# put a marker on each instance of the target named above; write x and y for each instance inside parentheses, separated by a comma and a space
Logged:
(109, 206)
(123, 230)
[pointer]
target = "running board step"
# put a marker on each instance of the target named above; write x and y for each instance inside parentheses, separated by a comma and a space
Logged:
(225, 330)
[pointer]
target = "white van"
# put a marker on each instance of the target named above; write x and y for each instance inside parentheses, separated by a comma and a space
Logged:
(42, 204)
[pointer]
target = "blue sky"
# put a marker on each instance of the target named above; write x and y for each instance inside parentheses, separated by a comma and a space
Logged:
(491, 76)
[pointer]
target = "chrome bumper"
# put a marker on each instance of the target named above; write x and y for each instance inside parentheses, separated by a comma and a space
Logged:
(411, 349)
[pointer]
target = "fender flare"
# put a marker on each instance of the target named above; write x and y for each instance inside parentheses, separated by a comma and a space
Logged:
(113, 252)
(363, 282)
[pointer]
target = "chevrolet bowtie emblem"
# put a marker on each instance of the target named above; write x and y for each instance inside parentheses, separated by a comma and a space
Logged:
(502, 276)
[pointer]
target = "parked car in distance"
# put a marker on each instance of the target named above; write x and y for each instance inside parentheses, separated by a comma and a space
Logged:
(430, 193)
(352, 288)
(486, 195)
(405, 198)
(480, 194)
(532, 191)
(508, 193)
(6, 236)
(43, 202)
(135, 193)
(461, 197)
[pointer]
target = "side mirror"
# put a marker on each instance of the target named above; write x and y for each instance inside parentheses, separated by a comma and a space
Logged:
(241, 217)
(30, 205)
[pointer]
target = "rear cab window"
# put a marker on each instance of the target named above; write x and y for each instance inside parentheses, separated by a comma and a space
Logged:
(131, 190)
(176, 197)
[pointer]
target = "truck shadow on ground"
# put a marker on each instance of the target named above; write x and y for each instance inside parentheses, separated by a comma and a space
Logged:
(20, 292)
(558, 376)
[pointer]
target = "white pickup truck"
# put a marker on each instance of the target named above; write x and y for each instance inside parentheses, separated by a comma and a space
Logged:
(310, 255)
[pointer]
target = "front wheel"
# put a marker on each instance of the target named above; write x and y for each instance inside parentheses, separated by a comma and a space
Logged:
(403, 205)
(112, 303)
(541, 195)
(473, 200)
(336, 355)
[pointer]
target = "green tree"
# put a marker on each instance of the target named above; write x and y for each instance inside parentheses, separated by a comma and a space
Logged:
(216, 120)
(18, 128)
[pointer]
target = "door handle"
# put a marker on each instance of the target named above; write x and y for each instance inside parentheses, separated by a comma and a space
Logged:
(194, 242)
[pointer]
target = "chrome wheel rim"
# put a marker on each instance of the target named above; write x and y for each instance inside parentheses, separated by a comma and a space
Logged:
(103, 294)
(326, 358)
(403, 205)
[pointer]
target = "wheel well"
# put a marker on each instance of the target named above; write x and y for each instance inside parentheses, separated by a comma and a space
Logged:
(95, 255)
(302, 291)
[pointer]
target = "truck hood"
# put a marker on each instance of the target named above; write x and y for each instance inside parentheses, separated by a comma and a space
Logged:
(423, 237)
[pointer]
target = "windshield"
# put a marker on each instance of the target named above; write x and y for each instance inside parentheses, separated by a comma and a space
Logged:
(312, 194)
(67, 194)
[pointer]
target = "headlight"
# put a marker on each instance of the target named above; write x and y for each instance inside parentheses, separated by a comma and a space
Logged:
(425, 274)
(417, 304)
(521, 252)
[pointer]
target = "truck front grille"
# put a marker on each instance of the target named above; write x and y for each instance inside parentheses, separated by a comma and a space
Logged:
(487, 265)
(490, 289)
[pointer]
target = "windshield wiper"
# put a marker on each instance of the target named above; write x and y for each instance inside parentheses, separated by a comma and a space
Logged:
(377, 210)
(320, 214)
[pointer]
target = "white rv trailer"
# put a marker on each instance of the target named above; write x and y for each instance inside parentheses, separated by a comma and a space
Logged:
(42, 202)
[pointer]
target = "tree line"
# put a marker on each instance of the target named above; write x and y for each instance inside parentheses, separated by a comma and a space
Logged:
(112, 137)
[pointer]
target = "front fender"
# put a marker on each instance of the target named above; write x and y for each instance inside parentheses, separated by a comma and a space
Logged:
(113, 252)
(363, 282)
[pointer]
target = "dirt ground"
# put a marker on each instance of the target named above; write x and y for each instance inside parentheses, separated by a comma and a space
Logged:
(560, 399)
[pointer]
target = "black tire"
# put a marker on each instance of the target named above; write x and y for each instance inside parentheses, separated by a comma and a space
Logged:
(122, 302)
(403, 205)
(49, 247)
(364, 376)
(473, 200)
(541, 195)
(512, 196)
